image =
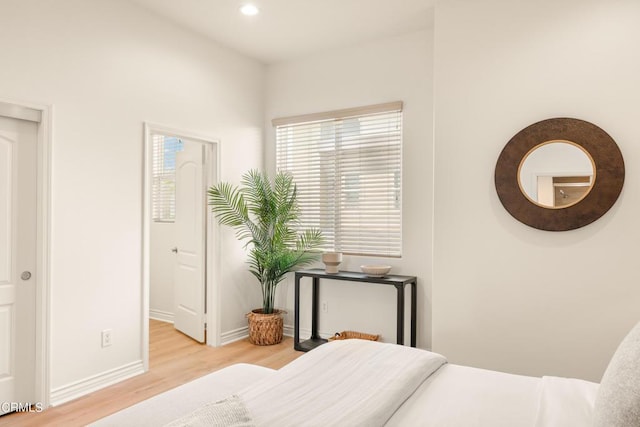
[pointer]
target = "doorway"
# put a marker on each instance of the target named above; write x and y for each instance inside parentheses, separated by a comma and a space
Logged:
(24, 213)
(180, 253)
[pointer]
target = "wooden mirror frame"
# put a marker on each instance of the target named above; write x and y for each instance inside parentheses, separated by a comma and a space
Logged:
(609, 172)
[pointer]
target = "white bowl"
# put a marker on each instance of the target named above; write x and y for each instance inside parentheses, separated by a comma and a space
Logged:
(375, 270)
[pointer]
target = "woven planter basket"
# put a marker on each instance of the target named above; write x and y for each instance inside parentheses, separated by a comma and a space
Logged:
(265, 329)
(346, 335)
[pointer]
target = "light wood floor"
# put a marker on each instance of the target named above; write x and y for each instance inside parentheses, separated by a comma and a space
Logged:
(174, 359)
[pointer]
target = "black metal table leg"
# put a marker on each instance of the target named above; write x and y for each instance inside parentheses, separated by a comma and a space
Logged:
(414, 298)
(400, 313)
(296, 320)
(314, 308)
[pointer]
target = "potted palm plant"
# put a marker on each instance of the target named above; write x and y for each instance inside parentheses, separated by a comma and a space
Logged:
(265, 214)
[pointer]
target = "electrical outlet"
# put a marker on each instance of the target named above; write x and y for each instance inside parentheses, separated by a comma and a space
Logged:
(106, 338)
(325, 307)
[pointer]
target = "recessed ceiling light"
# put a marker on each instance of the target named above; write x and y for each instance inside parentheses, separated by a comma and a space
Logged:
(249, 10)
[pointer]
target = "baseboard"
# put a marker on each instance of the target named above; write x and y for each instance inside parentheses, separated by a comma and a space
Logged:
(88, 385)
(304, 333)
(241, 333)
(234, 335)
(288, 330)
(163, 316)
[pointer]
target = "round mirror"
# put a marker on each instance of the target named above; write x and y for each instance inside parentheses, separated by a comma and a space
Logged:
(580, 162)
(556, 174)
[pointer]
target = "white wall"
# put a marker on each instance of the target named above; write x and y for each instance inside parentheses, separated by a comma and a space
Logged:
(161, 266)
(107, 66)
(398, 68)
(501, 65)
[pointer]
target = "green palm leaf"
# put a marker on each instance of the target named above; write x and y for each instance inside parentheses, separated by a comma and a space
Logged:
(266, 216)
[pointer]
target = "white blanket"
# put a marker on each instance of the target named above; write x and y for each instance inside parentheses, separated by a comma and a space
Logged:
(342, 383)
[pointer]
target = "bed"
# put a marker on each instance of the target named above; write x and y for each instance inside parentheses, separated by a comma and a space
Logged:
(363, 383)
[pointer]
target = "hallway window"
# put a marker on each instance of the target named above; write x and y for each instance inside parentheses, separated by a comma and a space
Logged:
(164, 177)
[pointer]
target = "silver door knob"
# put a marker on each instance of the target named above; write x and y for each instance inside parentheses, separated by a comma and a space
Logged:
(26, 275)
(174, 250)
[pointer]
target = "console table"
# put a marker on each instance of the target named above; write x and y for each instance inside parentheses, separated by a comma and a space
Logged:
(316, 274)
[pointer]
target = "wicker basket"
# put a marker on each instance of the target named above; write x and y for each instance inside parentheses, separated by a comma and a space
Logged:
(265, 329)
(346, 335)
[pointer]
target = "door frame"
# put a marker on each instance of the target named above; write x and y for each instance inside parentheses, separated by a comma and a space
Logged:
(212, 261)
(29, 111)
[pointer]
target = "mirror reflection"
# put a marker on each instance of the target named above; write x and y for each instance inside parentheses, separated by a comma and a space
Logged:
(556, 174)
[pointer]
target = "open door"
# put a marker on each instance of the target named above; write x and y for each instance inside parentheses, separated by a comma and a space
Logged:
(190, 225)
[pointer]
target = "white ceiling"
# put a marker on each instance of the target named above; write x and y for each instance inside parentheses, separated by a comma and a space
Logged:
(286, 29)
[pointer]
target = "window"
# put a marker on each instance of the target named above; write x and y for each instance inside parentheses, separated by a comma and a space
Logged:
(347, 166)
(164, 177)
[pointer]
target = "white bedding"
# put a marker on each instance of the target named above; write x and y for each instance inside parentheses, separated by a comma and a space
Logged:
(462, 396)
(342, 383)
(566, 402)
(351, 385)
(175, 403)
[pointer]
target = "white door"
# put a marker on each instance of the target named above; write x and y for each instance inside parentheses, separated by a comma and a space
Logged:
(18, 163)
(189, 277)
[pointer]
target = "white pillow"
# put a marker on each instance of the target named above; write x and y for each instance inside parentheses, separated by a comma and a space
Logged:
(618, 401)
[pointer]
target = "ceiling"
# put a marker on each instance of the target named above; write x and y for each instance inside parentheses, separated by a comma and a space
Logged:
(286, 29)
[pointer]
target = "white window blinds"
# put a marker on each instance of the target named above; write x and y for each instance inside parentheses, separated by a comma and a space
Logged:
(163, 198)
(347, 166)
